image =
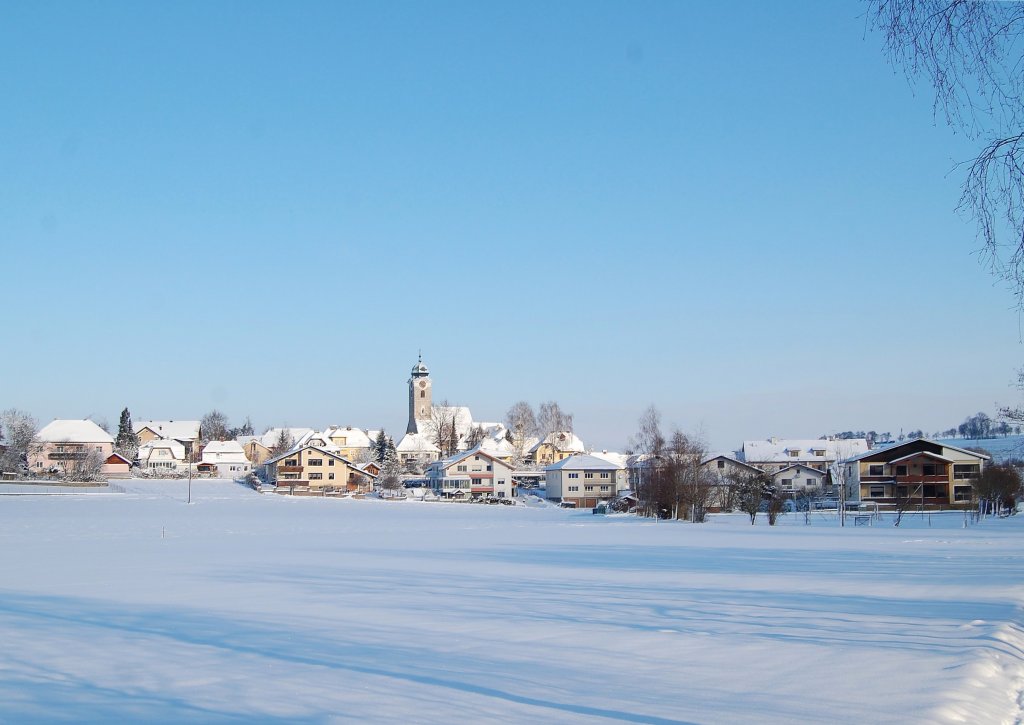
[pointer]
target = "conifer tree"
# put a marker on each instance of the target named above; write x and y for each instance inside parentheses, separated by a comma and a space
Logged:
(127, 441)
(380, 447)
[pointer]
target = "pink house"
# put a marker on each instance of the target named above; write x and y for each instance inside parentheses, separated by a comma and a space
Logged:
(61, 446)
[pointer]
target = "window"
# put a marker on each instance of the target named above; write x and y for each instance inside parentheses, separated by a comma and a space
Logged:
(330, 476)
(901, 470)
(574, 488)
(292, 462)
(604, 475)
(875, 470)
(965, 470)
(315, 476)
(478, 482)
(588, 488)
(721, 464)
(819, 452)
(961, 493)
(876, 492)
(605, 488)
(462, 469)
(488, 468)
(423, 393)
(574, 475)
(794, 453)
(588, 475)
(931, 469)
(316, 461)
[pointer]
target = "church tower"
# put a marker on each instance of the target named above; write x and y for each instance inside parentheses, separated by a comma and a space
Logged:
(421, 398)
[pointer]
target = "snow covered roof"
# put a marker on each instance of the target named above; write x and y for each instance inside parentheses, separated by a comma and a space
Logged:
(799, 466)
(416, 443)
(326, 452)
(223, 447)
(562, 441)
(583, 462)
(619, 459)
(179, 430)
(224, 451)
(73, 431)
(298, 436)
(451, 460)
(177, 449)
(500, 448)
(783, 450)
(896, 447)
(354, 437)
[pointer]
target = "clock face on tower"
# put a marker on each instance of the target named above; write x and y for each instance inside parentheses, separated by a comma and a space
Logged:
(423, 383)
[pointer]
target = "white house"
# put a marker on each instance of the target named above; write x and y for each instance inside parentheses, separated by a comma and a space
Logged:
(584, 480)
(185, 432)
(163, 455)
(228, 457)
(471, 474)
(794, 479)
(774, 454)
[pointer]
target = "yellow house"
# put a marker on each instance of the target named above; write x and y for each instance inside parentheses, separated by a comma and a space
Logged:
(556, 447)
(309, 470)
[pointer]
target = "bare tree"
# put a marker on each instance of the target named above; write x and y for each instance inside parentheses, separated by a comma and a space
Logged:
(17, 439)
(971, 55)
(552, 419)
(997, 488)
(803, 500)
(442, 428)
(84, 463)
(521, 424)
(475, 436)
(214, 427)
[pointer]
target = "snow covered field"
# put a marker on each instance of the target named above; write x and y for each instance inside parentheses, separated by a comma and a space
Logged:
(244, 607)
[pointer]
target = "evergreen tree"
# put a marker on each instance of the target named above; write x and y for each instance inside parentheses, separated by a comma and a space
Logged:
(380, 447)
(127, 441)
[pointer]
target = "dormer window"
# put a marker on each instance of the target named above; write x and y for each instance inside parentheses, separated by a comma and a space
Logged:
(794, 452)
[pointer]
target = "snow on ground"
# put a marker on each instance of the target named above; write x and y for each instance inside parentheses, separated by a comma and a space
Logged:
(249, 607)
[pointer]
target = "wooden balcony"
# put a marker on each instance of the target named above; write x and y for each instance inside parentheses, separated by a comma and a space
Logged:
(289, 469)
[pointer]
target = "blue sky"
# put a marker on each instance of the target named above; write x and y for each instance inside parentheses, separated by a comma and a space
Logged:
(738, 212)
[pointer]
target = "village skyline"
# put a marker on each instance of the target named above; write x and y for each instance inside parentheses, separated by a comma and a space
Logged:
(607, 208)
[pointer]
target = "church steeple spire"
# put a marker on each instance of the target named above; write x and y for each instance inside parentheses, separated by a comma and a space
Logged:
(420, 397)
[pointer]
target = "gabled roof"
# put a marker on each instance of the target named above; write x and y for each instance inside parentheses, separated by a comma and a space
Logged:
(619, 459)
(179, 430)
(732, 459)
(917, 442)
(325, 452)
(117, 455)
(73, 431)
(298, 436)
(929, 454)
(354, 437)
(778, 450)
(176, 448)
(452, 460)
(416, 443)
(815, 471)
(562, 441)
(583, 463)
